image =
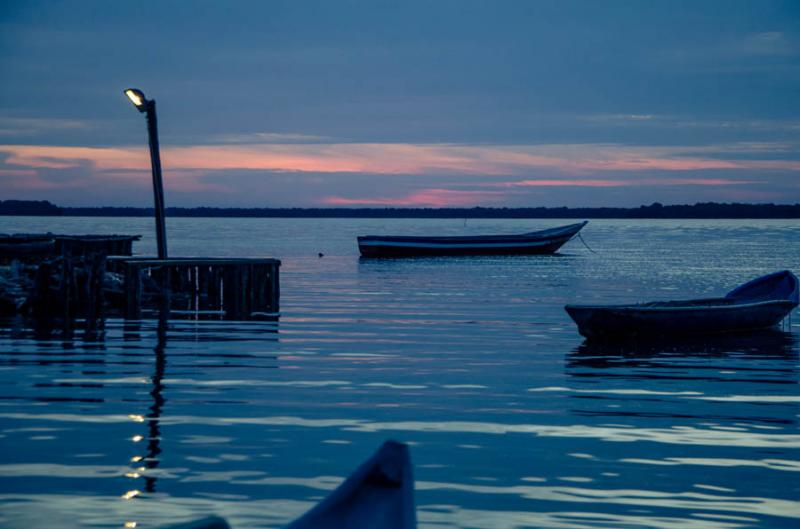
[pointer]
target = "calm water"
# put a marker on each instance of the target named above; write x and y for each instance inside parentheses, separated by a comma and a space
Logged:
(514, 422)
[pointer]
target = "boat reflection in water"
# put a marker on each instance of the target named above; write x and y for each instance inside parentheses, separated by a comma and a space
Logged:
(758, 371)
(764, 344)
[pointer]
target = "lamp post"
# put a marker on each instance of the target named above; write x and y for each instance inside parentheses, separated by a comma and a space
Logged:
(148, 107)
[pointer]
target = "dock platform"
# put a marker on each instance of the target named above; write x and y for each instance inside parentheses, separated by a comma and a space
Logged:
(62, 278)
(228, 288)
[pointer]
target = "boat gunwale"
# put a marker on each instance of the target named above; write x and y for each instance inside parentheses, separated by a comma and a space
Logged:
(569, 230)
(682, 308)
(466, 245)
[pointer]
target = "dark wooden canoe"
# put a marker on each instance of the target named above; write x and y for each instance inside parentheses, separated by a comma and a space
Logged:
(378, 495)
(757, 304)
(535, 242)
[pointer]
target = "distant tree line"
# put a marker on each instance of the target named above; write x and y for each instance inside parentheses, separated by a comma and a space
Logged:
(39, 208)
(701, 210)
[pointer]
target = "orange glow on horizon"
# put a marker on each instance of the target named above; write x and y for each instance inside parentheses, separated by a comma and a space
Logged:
(625, 183)
(384, 158)
(435, 198)
(201, 168)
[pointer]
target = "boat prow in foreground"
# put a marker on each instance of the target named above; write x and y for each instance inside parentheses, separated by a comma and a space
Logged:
(378, 495)
(535, 242)
(761, 303)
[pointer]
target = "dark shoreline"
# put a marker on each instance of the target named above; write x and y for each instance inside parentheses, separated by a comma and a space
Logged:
(707, 210)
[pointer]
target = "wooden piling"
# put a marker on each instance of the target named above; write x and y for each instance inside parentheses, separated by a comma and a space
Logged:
(231, 288)
(36, 247)
(69, 288)
(68, 277)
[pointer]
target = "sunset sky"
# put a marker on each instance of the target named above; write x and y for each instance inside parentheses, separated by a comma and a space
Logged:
(431, 103)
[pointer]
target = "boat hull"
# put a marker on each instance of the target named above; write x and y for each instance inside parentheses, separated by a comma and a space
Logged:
(757, 304)
(535, 243)
(632, 322)
(378, 495)
(394, 250)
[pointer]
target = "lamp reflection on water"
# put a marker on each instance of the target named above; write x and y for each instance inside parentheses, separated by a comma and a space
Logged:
(131, 494)
(153, 418)
(150, 459)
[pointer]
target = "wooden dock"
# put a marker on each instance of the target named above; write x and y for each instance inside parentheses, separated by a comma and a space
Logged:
(58, 279)
(227, 288)
(39, 246)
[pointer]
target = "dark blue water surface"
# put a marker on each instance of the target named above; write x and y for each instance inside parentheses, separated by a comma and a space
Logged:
(513, 420)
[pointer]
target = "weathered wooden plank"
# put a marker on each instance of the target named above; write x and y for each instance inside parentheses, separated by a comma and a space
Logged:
(246, 298)
(276, 289)
(258, 290)
(40, 306)
(214, 292)
(67, 289)
(238, 287)
(45, 246)
(133, 291)
(95, 269)
(212, 261)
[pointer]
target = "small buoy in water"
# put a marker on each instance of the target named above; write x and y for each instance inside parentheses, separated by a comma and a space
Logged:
(320, 254)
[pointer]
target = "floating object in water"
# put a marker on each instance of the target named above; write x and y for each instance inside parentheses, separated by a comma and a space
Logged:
(757, 304)
(535, 242)
(378, 495)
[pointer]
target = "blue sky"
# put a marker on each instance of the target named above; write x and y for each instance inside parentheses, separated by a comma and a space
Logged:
(447, 103)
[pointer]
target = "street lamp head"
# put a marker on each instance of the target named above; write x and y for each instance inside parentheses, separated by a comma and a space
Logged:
(137, 98)
(148, 107)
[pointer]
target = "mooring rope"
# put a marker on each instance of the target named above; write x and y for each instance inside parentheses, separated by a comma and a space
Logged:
(584, 243)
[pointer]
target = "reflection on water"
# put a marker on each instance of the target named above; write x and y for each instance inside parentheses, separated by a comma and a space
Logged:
(513, 420)
(763, 344)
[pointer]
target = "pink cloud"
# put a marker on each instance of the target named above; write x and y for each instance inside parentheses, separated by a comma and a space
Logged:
(187, 169)
(699, 182)
(425, 198)
(34, 184)
(562, 183)
(30, 180)
(392, 158)
(14, 173)
(191, 181)
(56, 157)
(624, 183)
(751, 195)
(437, 197)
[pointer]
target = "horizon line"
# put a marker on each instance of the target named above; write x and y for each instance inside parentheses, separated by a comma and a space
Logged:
(701, 210)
